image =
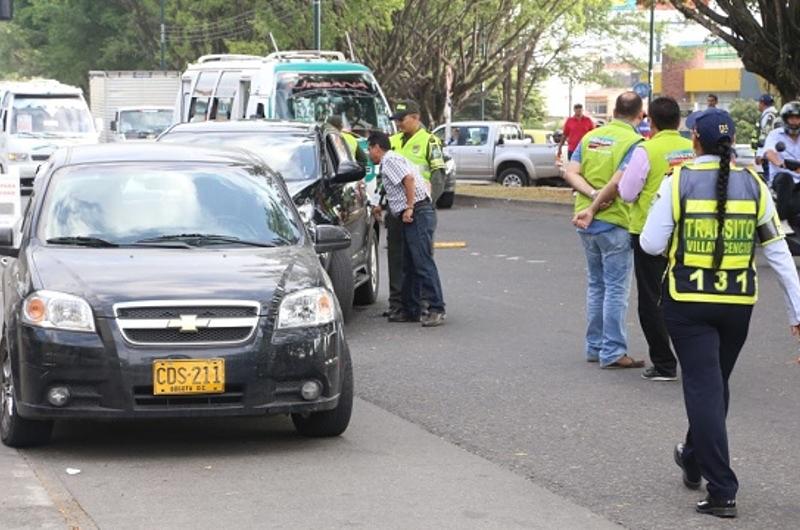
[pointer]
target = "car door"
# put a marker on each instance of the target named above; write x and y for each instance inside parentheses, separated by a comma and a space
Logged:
(348, 201)
(474, 159)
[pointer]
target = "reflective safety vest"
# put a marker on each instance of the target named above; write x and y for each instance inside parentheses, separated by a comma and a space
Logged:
(690, 275)
(602, 151)
(422, 149)
(666, 150)
(352, 142)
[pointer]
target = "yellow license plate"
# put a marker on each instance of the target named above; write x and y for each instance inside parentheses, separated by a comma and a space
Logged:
(188, 376)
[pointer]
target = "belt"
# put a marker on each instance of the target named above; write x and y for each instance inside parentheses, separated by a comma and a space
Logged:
(423, 202)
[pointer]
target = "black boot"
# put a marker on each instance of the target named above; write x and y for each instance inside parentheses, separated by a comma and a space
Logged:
(717, 507)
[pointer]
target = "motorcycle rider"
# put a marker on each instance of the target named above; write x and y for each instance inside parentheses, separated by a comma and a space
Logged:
(785, 182)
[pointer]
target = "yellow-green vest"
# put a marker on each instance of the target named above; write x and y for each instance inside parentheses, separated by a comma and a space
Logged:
(690, 274)
(421, 150)
(602, 151)
(666, 150)
(352, 142)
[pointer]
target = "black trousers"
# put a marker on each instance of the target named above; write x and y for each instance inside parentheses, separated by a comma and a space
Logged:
(649, 271)
(708, 339)
(788, 200)
(394, 255)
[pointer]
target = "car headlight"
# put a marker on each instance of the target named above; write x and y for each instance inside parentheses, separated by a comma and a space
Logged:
(17, 157)
(307, 308)
(51, 309)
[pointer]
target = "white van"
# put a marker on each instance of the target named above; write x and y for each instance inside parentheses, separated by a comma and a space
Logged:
(307, 86)
(36, 118)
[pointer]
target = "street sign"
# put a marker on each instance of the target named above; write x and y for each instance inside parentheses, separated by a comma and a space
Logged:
(643, 89)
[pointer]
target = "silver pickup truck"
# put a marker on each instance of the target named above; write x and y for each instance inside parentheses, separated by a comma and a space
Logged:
(498, 150)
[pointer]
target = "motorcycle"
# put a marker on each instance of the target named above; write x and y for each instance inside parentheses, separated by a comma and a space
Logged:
(793, 240)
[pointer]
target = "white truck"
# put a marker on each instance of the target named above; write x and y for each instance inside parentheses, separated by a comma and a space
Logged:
(499, 151)
(36, 118)
(134, 105)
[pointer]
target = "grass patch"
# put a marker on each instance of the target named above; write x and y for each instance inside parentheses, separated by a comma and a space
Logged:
(532, 193)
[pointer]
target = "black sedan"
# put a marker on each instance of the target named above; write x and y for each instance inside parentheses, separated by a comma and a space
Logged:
(324, 181)
(162, 281)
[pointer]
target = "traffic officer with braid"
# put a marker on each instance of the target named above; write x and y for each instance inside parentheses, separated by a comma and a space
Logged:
(422, 149)
(708, 217)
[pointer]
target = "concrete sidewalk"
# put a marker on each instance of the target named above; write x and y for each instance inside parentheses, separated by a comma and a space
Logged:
(24, 502)
(383, 473)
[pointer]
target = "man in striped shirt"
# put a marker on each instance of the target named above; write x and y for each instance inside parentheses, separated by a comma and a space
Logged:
(408, 198)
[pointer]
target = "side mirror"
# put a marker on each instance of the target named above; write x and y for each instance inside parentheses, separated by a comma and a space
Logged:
(7, 242)
(780, 147)
(348, 171)
(500, 141)
(113, 125)
(330, 237)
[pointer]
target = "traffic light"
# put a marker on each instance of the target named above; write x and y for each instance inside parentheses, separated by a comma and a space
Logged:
(6, 9)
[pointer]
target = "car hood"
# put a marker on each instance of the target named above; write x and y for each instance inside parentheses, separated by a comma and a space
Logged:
(105, 277)
(296, 187)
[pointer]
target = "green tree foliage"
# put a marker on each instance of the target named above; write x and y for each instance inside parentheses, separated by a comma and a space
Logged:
(506, 46)
(745, 114)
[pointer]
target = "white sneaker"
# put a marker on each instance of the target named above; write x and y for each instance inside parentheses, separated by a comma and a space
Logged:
(786, 227)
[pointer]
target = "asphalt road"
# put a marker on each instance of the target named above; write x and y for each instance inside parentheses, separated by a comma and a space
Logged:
(506, 379)
(521, 431)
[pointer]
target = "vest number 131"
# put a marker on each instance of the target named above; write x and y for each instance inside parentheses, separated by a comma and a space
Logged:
(721, 280)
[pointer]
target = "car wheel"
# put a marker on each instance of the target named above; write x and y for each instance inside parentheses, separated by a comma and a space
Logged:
(330, 422)
(14, 430)
(446, 200)
(341, 272)
(513, 177)
(367, 292)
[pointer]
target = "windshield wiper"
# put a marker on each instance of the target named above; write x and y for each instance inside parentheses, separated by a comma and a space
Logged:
(26, 134)
(205, 239)
(82, 241)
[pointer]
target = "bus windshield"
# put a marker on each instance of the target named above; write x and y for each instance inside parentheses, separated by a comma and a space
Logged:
(48, 115)
(316, 97)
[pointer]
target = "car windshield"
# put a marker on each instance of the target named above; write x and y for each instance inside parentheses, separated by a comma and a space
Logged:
(144, 122)
(292, 155)
(122, 204)
(50, 116)
(316, 97)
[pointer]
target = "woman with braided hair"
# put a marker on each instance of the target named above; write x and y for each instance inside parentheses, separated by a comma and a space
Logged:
(708, 217)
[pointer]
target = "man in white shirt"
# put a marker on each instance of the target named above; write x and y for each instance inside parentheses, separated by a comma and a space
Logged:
(408, 199)
(784, 181)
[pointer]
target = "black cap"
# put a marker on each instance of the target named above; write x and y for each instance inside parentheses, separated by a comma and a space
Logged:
(766, 99)
(711, 125)
(404, 108)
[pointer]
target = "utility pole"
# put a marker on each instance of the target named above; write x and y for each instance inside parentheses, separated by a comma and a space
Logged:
(317, 8)
(650, 57)
(163, 36)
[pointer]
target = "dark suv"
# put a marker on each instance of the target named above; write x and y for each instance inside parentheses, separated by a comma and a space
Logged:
(325, 183)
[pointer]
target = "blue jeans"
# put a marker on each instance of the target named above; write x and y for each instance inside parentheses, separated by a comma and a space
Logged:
(420, 274)
(609, 260)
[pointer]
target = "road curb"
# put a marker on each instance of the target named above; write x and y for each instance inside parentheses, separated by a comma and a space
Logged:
(474, 201)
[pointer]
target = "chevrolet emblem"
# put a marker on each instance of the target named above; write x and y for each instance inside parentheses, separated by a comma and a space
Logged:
(189, 324)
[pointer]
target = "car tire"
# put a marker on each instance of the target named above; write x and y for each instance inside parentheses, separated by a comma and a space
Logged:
(367, 292)
(16, 431)
(340, 270)
(332, 422)
(446, 200)
(513, 177)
